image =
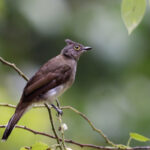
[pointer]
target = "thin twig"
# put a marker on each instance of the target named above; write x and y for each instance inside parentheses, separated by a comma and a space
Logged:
(14, 106)
(12, 65)
(115, 147)
(7, 105)
(91, 124)
(81, 114)
(30, 130)
(62, 131)
(61, 126)
(76, 143)
(53, 128)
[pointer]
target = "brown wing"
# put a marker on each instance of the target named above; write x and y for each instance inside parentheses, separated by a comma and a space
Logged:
(41, 83)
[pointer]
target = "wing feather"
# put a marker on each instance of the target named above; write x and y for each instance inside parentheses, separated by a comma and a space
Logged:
(41, 83)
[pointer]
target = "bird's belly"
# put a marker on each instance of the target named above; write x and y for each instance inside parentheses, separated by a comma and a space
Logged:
(52, 94)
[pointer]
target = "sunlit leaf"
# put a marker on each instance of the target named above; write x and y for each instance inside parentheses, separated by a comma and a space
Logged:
(23, 148)
(38, 146)
(139, 137)
(132, 13)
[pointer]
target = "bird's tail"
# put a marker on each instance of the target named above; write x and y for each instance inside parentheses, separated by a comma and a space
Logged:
(12, 122)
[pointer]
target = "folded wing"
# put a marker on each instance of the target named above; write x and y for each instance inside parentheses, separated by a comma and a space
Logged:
(41, 83)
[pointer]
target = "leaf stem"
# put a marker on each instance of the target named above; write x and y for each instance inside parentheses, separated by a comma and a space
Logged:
(129, 141)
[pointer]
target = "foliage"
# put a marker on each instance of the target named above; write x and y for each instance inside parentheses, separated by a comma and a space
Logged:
(63, 127)
(132, 13)
(37, 146)
(139, 137)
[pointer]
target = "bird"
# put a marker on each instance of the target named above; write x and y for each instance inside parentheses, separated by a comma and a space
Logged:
(49, 82)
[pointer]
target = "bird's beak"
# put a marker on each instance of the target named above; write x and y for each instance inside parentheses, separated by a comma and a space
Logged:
(87, 48)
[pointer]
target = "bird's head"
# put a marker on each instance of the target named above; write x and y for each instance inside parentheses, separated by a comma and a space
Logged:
(74, 49)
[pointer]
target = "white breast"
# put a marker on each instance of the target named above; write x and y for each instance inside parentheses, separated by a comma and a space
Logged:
(52, 94)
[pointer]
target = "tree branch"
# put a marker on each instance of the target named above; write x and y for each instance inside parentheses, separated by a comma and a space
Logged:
(61, 126)
(7, 105)
(53, 137)
(91, 124)
(67, 107)
(53, 128)
(12, 65)
(78, 112)
(76, 143)
(14, 106)
(115, 147)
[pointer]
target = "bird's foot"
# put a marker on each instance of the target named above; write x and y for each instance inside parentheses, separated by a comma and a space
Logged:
(59, 111)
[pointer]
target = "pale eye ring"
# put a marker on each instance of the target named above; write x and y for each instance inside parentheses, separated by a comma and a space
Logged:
(77, 48)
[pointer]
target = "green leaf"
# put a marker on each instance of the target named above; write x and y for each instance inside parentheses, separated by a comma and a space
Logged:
(2, 8)
(139, 137)
(38, 146)
(132, 13)
(23, 148)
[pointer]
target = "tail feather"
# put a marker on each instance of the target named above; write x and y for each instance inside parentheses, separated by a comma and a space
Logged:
(11, 124)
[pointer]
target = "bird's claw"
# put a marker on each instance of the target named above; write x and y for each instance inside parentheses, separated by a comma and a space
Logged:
(60, 112)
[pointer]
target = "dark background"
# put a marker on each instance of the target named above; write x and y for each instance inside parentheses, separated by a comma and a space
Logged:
(112, 84)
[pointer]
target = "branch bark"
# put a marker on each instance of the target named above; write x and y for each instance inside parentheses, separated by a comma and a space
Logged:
(77, 112)
(61, 126)
(115, 146)
(12, 65)
(90, 123)
(76, 143)
(52, 124)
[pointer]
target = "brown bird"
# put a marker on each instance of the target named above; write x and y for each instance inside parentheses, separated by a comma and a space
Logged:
(49, 82)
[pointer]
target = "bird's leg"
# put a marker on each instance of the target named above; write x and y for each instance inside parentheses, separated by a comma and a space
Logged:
(58, 104)
(59, 111)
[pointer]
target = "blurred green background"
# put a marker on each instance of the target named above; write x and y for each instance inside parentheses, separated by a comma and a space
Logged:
(112, 84)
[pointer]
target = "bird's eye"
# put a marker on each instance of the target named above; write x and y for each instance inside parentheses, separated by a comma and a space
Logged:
(77, 48)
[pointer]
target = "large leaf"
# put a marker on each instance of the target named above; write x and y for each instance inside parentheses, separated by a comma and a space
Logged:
(139, 137)
(38, 146)
(132, 13)
(23, 148)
